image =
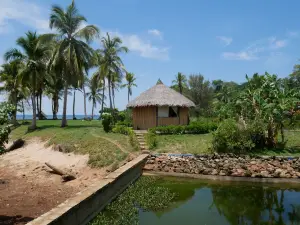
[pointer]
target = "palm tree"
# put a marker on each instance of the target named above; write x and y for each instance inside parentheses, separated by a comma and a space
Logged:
(71, 50)
(112, 63)
(180, 81)
(35, 55)
(99, 74)
(95, 94)
(130, 82)
(116, 81)
(12, 86)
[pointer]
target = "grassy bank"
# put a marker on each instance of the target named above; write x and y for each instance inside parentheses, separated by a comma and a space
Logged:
(201, 143)
(82, 137)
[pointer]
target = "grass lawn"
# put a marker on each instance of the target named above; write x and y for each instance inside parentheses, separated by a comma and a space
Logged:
(185, 143)
(82, 137)
(201, 143)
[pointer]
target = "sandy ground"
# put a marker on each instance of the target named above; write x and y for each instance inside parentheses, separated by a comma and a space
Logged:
(28, 188)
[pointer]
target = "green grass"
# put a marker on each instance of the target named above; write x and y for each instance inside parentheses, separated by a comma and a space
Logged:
(201, 143)
(81, 137)
(186, 143)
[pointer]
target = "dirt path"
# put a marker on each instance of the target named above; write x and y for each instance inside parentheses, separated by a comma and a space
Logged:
(27, 189)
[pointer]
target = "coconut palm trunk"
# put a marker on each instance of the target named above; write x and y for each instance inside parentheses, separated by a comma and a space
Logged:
(40, 110)
(84, 101)
(93, 106)
(109, 92)
(37, 105)
(102, 102)
(64, 116)
(15, 102)
(74, 95)
(33, 123)
(128, 93)
(23, 110)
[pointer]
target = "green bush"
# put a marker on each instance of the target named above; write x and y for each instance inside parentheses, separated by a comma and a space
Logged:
(232, 137)
(107, 122)
(6, 111)
(133, 140)
(196, 127)
(151, 140)
(121, 129)
(126, 123)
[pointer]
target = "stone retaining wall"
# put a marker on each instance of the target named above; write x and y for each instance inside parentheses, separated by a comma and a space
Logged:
(226, 165)
(80, 209)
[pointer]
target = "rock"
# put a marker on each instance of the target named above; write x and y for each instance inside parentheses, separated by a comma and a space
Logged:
(222, 173)
(265, 173)
(214, 172)
(145, 152)
(253, 162)
(166, 169)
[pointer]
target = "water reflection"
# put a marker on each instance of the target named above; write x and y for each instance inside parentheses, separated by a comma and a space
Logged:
(233, 204)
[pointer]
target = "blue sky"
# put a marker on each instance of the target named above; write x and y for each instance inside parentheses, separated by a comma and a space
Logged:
(219, 39)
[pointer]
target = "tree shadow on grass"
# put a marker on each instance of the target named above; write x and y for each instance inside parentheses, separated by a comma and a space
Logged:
(10, 220)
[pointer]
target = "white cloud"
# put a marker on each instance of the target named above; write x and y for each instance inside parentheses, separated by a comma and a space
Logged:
(23, 12)
(293, 34)
(256, 49)
(224, 40)
(244, 55)
(155, 32)
(143, 47)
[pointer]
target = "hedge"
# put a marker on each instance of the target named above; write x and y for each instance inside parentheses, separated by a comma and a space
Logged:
(193, 128)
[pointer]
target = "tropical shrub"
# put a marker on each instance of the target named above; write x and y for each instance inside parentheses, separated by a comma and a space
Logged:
(232, 137)
(196, 127)
(151, 140)
(107, 122)
(125, 123)
(121, 129)
(6, 112)
(133, 140)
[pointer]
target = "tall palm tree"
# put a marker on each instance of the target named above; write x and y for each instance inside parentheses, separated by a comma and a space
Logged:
(34, 55)
(71, 50)
(180, 81)
(116, 81)
(11, 85)
(112, 63)
(95, 94)
(99, 75)
(130, 82)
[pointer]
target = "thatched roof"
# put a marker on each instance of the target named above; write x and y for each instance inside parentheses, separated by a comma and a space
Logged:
(160, 95)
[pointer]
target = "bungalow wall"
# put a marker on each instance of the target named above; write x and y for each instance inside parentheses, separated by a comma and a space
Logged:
(147, 117)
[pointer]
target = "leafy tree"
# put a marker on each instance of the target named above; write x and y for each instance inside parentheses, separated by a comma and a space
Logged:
(130, 82)
(34, 56)
(11, 84)
(180, 82)
(72, 52)
(200, 92)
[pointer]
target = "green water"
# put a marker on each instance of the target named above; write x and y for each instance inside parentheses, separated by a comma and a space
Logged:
(213, 203)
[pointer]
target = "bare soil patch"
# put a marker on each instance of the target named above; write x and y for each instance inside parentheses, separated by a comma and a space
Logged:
(28, 189)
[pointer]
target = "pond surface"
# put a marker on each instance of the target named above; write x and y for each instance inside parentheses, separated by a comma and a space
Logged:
(213, 203)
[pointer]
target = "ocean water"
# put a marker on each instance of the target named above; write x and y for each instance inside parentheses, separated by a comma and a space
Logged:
(69, 117)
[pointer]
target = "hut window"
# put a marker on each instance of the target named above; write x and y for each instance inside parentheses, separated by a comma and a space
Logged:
(163, 111)
(173, 111)
(166, 111)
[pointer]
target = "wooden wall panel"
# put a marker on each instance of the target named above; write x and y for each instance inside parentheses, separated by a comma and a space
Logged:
(184, 116)
(144, 118)
(168, 121)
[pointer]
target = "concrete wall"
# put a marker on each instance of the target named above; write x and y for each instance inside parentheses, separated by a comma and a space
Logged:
(87, 204)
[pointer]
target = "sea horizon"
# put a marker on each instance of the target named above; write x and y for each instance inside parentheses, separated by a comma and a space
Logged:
(69, 117)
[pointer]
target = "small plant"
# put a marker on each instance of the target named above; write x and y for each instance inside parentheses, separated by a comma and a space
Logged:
(6, 111)
(133, 140)
(121, 129)
(151, 139)
(107, 122)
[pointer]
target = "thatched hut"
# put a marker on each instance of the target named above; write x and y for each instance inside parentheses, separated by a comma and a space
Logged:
(160, 106)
